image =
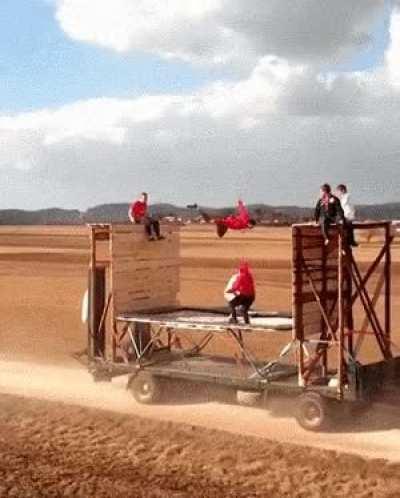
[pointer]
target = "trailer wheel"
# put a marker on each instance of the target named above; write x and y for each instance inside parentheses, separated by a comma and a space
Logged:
(311, 411)
(146, 388)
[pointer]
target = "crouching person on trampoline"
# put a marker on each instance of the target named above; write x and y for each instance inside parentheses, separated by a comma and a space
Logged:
(139, 214)
(240, 291)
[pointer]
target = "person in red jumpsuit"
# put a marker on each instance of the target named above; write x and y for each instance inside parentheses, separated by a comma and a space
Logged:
(239, 221)
(240, 292)
(139, 214)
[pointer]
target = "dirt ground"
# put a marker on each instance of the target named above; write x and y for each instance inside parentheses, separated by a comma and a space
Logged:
(49, 449)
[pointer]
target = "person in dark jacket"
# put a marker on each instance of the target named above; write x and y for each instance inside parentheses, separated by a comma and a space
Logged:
(328, 211)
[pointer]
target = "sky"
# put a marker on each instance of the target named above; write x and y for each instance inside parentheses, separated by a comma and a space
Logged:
(197, 101)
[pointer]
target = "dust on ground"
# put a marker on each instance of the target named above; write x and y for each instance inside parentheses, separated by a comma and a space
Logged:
(52, 449)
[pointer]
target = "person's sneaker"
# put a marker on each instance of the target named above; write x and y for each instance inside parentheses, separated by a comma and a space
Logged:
(354, 244)
(161, 237)
(232, 321)
(151, 239)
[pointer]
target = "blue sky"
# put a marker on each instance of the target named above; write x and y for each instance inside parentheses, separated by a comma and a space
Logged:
(371, 56)
(41, 67)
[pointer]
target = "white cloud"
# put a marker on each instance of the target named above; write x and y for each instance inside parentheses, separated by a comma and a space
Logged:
(393, 53)
(272, 136)
(224, 31)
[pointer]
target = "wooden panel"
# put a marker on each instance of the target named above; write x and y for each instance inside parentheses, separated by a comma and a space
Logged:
(147, 251)
(146, 304)
(312, 329)
(138, 229)
(144, 274)
(321, 265)
(131, 265)
(149, 286)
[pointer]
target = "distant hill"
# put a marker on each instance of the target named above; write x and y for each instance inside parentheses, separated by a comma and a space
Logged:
(118, 213)
(51, 216)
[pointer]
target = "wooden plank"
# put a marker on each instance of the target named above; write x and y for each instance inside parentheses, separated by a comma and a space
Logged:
(131, 265)
(311, 330)
(145, 304)
(311, 306)
(154, 276)
(149, 287)
(312, 313)
(134, 296)
(137, 243)
(124, 265)
(307, 230)
(142, 251)
(130, 227)
(316, 254)
(131, 301)
(141, 240)
(144, 256)
(122, 299)
(149, 281)
(145, 276)
(140, 236)
(320, 286)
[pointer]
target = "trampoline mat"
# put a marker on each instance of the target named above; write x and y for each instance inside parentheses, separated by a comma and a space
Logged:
(270, 321)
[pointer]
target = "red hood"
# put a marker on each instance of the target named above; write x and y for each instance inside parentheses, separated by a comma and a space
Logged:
(244, 284)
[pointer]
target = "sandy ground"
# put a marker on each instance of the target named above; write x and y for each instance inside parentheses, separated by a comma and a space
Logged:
(50, 449)
(376, 434)
(43, 274)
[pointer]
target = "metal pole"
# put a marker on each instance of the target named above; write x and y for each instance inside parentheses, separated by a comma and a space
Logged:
(340, 316)
(297, 305)
(324, 305)
(388, 283)
(92, 293)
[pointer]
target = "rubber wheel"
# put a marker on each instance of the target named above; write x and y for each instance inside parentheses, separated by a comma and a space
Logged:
(146, 388)
(311, 412)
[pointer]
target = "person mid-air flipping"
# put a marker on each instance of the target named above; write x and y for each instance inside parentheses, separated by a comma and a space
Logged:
(239, 221)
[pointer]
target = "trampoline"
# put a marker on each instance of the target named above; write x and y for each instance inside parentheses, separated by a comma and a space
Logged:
(210, 319)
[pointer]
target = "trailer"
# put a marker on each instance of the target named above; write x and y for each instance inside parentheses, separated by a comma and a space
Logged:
(137, 327)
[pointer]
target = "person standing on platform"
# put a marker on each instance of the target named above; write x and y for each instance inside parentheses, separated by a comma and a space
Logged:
(349, 213)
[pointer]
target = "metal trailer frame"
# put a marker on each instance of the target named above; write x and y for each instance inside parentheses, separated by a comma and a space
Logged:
(327, 283)
(329, 280)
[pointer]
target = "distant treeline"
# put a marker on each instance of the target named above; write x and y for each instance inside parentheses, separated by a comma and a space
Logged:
(118, 213)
